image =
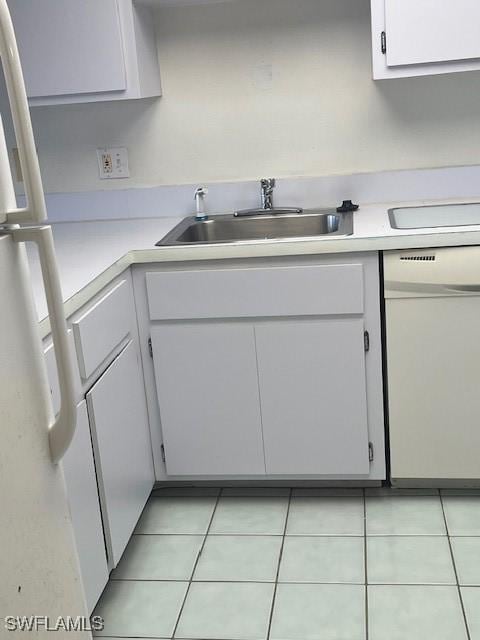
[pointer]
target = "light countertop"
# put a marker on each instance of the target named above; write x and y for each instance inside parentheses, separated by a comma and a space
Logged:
(91, 254)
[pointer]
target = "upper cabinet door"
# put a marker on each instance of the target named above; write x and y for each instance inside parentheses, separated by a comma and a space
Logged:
(422, 31)
(69, 46)
(423, 37)
(76, 51)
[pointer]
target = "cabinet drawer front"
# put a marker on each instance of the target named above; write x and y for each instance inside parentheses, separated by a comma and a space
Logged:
(102, 327)
(274, 291)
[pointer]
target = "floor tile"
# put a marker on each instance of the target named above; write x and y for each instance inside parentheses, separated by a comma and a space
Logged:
(319, 612)
(238, 611)
(402, 612)
(322, 559)
(260, 492)
(462, 513)
(466, 553)
(166, 557)
(186, 492)
(239, 558)
(471, 603)
(405, 515)
(141, 609)
(321, 492)
(326, 516)
(254, 516)
(409, 560)
(176, 515)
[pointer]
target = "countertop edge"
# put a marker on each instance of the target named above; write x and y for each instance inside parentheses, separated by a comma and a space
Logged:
(263, 249)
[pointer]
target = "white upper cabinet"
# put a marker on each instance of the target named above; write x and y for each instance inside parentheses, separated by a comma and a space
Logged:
(85, 50)
(53, 44)
(423, 37)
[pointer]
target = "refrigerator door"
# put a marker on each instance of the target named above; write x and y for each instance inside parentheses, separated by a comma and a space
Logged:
(39, 565)
(62, 428)
(34, 212)
(6, 195)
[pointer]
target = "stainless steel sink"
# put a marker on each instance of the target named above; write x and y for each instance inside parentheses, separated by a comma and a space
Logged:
(431, 216)
(228, 228)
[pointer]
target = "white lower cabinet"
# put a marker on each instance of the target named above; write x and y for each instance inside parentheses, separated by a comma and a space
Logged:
(122, 448)
(79, 471)
(268, 369)
(108, 468)
(208, 392)
(313, 396)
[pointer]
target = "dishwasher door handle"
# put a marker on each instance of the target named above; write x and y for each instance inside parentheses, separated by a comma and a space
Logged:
(464, 288)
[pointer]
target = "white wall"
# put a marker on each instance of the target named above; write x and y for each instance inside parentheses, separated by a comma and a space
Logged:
(223, 118)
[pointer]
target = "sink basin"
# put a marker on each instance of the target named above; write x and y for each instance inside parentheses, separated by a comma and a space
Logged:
(443, 215)
(228, 228)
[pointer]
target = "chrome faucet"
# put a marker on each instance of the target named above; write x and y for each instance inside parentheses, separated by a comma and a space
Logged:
(267, 185)
(200, 194)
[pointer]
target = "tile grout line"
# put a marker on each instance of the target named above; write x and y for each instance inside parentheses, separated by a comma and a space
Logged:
(196, 563)
(454, 565)
(365, 560)
(306, 582)
(273, 582)
(269, 628)
(306, 535)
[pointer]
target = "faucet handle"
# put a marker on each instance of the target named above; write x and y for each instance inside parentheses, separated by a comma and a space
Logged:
(267, 183)
(200, 192)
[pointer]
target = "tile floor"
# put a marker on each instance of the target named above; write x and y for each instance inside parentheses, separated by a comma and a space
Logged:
(301, 564)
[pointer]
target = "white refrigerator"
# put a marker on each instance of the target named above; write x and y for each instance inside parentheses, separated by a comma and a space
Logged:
(40, 584)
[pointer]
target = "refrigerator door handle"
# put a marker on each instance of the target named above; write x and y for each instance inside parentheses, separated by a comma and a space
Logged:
(62, 430)
(35, 211)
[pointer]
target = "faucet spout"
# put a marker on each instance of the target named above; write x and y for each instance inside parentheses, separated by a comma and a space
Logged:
(267, 186)
(200, 194)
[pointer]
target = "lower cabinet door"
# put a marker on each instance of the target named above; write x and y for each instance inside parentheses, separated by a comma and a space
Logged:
(207, 386)
(122, 447)
(313, 396)
(82, 491)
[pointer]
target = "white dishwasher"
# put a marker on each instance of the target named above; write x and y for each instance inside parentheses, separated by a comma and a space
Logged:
(432, 305)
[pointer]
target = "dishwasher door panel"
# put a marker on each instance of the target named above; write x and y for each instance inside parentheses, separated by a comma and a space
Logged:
(433, 357)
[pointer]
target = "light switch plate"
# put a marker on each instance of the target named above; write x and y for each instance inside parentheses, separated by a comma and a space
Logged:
(113, 163)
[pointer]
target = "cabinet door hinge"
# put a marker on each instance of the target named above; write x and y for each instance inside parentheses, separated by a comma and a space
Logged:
(150, 347)
(370, 452)
(383, 41)
(162, 449)
(366, 341)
